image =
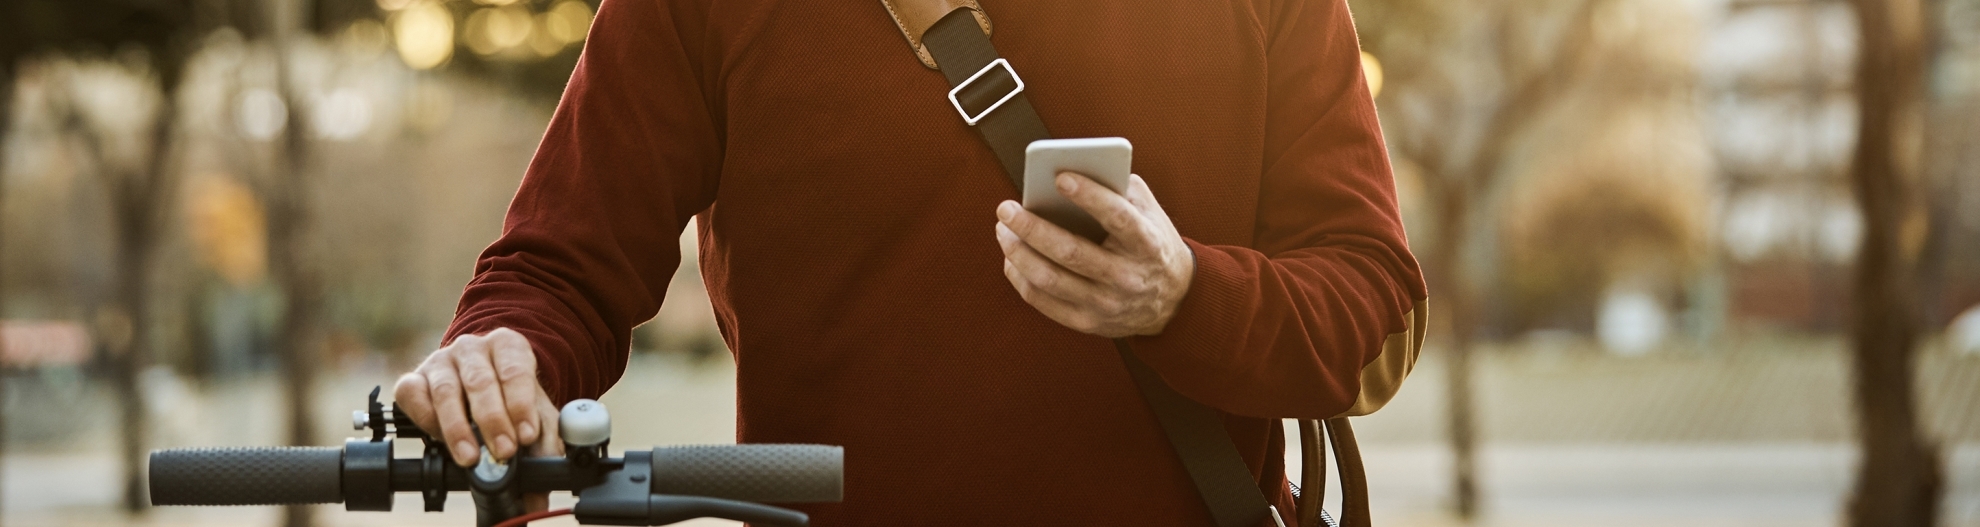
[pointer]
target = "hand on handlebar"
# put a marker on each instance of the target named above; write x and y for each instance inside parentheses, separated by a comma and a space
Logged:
(660, 486)
(486, 381)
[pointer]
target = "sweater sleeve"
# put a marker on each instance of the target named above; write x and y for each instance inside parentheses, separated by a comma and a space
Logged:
(1283, 328)
(590, 240)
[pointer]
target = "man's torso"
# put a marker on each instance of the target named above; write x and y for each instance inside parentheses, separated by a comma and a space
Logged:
(852, 264)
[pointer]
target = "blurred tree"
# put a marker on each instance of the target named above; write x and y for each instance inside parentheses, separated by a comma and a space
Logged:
(287, 190)
(162, 35)
(157, 32)
(291, 220)
(12, 47)
(1898, 475)
(1464, 82)
(1946, 126)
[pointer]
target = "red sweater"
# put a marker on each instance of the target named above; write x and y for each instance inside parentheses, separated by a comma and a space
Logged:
(846, 218)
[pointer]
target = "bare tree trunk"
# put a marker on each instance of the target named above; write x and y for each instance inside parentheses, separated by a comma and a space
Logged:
(129, 356)
(1462, 188)
(140, 202)
(1944, 128)
(6, 121)
(1451, 207)
(300, 332)
(290, 231)
(1898, 479)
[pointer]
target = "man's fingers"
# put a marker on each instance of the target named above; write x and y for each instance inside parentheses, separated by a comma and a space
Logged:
(1159, 225)
(1127, 286)
(444, 389)
(484, 399)
(415, 401)
(1052, 307)
(552, 441)
(548, 445)
(1040, 273)
(515, 368)
(1064, 248)
(1143, 199)
(1122, 219)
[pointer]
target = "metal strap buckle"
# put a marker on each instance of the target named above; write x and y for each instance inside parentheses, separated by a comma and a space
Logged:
(973, 119)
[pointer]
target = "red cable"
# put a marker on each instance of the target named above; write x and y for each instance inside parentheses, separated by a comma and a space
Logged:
(520, 521)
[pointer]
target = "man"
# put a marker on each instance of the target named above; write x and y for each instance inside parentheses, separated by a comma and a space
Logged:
(880, 289)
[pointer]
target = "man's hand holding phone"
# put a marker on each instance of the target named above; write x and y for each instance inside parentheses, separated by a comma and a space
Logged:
(1128, 285)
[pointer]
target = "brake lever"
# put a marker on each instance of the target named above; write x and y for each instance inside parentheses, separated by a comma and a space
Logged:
(624, 496)
(665, 510)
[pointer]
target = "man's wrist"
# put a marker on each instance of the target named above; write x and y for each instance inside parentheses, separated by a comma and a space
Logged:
(1186, 277)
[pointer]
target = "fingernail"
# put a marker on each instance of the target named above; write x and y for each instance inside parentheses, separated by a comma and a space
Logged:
(464, 449)
(1006, 210)
(1067, 183)
(526, 432)
(503, 447)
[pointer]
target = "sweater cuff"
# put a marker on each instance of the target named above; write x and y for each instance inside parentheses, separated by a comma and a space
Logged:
(1207, 323)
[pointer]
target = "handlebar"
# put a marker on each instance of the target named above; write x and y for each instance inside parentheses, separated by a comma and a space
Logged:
(647, 487)
(247, 476)
(302, 475)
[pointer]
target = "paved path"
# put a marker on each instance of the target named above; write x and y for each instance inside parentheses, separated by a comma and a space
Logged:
(1712, 475)
(1749, 485)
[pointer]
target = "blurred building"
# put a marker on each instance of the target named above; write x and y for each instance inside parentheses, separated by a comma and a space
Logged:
(1777, 86)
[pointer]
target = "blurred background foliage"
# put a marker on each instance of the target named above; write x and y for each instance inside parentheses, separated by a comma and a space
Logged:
(379, 79)
(1654, 194)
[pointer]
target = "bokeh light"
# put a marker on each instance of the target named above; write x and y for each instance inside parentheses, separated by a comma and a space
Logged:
(493, 30)
(343, 115)
(568, 21)
(424, 32)
(368, 37)
(1372, 69)
(541, 40)
(260, 114)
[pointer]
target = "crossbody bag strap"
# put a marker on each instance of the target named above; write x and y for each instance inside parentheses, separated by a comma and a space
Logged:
(1354, 480)
(1207, 453)
(984, 89)
(1313, 478)
(989, 95)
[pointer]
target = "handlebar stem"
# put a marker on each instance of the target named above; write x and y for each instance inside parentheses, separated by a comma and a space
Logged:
(496, 496)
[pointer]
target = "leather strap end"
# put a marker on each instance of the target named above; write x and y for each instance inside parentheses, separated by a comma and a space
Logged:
(1312, 478)
(914, 17)
(1354, 478)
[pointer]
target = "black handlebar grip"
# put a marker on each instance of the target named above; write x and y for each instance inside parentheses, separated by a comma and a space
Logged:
(757, 473)
(247, 476)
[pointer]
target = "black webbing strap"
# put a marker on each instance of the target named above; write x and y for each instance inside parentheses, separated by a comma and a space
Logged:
(1196, 431)
(1207, 453)
(962, 50)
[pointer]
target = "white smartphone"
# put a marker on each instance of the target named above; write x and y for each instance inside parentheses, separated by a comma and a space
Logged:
(1105, 160)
